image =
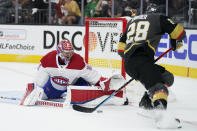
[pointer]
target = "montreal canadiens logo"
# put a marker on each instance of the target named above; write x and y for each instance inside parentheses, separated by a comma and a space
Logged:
(60, 81)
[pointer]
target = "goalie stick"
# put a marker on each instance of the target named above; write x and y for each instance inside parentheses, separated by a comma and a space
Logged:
(10, 98)
(90, 110)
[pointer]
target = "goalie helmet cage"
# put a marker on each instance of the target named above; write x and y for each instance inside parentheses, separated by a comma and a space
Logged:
(101, 39)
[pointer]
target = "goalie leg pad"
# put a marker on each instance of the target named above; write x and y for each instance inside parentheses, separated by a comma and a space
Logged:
(92, 95)
(84, 94)
(31, 95)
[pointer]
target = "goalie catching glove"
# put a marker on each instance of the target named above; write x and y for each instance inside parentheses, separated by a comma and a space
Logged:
(113, 83)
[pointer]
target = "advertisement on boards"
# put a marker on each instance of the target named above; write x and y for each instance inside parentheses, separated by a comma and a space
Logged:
(186, 56)
(36, 41)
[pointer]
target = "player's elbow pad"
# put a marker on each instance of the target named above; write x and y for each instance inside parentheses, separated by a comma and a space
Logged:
(178, 33)
(121, 47)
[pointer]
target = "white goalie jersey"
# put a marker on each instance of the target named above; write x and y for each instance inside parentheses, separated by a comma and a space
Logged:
(65, 74)
(55, 78)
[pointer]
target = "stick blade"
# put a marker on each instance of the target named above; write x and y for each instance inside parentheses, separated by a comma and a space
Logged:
(83, 109)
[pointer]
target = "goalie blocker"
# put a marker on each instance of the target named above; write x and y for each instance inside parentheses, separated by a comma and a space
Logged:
(91, 95)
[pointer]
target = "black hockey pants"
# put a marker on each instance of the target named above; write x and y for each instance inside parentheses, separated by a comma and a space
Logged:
(141, 66)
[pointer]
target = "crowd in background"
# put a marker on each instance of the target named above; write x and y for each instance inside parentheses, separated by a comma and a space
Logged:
(74, 12)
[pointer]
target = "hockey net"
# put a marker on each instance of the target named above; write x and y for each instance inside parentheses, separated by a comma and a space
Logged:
(101, 39)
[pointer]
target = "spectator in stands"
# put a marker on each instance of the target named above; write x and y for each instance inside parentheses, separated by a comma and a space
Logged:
(27, 6)
(40, 11)
(90, 10)
(98, 8)
(4, 10)
(107, 9)
(134, 4)
(160, 3)
(174, 7)
(61, 18)
(178, 10)
(194, 12)
(72, 12)
(79, 2)
(130, 6)
(11, 10)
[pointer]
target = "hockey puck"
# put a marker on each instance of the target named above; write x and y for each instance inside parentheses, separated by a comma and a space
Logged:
(99, 111)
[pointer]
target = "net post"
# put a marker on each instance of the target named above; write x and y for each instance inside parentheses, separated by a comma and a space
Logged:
(123, 72)
(86, 39)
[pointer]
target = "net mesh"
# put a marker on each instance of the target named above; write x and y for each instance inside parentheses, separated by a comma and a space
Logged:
(103, 38)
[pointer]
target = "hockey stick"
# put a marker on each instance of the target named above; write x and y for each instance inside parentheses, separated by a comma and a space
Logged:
(90, 110)
(10, 98)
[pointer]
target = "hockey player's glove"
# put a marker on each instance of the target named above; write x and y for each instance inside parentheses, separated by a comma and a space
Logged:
(176, 44)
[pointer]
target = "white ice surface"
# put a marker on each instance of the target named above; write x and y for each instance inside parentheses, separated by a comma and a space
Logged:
(15, 76)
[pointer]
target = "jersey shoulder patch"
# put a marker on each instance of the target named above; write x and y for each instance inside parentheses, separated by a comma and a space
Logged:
(76, 62)
(49, 60)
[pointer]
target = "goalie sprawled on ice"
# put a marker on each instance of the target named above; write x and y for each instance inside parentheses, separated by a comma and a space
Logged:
(62, 72)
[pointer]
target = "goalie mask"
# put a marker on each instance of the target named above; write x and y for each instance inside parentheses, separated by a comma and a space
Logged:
(65, 50)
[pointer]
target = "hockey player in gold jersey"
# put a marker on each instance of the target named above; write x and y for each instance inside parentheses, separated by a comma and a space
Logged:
(137, 47)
